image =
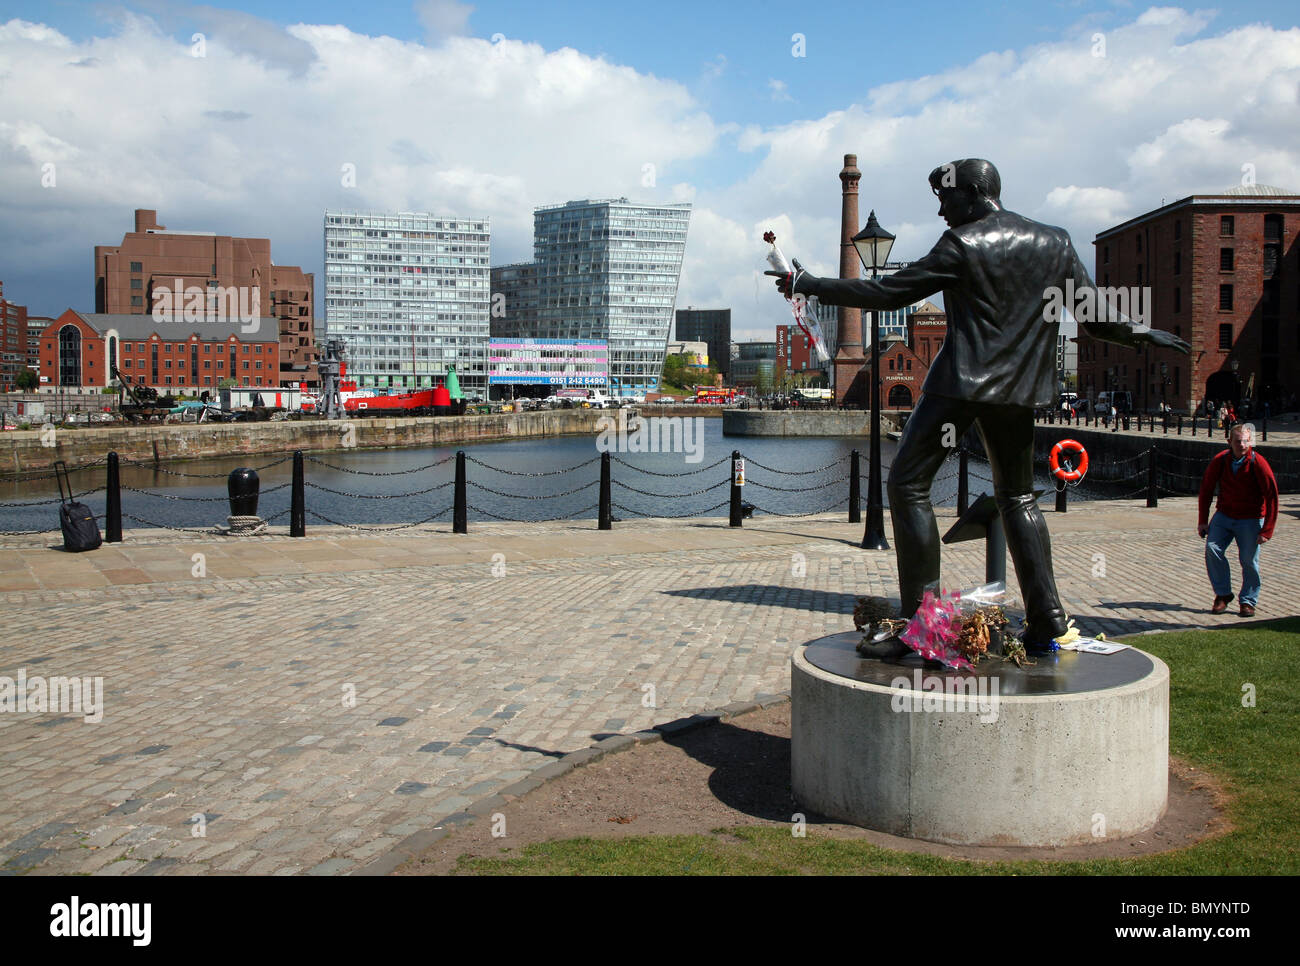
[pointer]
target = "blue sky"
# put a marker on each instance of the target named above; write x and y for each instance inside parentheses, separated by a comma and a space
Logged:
(480, 110)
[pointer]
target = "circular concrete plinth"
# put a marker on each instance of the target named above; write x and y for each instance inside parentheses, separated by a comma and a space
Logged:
(1074, 749)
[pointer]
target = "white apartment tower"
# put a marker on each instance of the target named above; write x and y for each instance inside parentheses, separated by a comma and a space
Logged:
(409, 292)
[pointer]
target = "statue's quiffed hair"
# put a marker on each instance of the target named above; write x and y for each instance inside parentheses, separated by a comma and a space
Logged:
(969, 172)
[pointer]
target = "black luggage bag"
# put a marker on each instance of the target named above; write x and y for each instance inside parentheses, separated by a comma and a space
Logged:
(80, 531)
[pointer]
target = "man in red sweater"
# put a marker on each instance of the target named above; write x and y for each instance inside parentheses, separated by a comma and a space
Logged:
(1246, 512)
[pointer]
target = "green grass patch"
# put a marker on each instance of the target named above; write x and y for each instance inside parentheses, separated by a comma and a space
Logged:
(1252, 751)
(672, 389)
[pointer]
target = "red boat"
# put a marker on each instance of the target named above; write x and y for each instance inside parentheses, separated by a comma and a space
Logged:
(420, 402)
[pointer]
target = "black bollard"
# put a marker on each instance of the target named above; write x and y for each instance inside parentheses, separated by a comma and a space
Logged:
(113, 503)
(606, 513)
(242, 486)
(735, 490)
(298, 498)
(963, 481)
(1060, 496)
(855, 488)
(1166, 423)
(1264, 427)
(1139, 422)
(459, 514)
(1180, 424)
(1151, 477)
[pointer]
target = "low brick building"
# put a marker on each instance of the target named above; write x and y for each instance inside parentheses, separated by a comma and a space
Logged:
(904, 363)
(78, 350)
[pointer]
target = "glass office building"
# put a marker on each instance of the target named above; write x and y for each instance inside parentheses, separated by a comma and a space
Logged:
(607, 271)
(409, 294)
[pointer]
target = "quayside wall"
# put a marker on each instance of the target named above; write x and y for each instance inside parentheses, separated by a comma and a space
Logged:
(24, 452)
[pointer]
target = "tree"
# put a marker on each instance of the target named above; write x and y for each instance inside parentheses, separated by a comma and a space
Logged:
(226, 383)
(26, 380)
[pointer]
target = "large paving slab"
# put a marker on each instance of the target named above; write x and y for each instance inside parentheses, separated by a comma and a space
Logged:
(309, 703)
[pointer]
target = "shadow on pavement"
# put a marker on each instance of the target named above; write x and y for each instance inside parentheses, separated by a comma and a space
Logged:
(792, 597)
(1150, 605)
(518, 747)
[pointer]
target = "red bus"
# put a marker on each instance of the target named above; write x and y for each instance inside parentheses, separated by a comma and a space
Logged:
(713, 395)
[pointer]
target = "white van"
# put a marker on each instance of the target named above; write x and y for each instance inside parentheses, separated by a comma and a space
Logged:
(1121, 400)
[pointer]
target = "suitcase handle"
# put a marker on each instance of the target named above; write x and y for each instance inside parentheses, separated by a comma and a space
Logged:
(61, 475)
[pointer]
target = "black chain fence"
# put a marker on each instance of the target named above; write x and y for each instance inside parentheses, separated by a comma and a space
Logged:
(1153, 472)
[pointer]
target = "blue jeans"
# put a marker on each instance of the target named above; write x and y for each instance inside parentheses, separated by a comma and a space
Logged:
(1223, 530)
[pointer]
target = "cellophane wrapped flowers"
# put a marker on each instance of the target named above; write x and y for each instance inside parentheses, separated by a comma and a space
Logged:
(804, 316)
(934, 631)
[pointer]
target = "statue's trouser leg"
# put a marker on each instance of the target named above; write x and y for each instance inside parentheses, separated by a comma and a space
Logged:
(936, 425)
(1008, 434)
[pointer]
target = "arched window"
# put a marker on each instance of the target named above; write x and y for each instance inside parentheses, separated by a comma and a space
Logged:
(69, 356)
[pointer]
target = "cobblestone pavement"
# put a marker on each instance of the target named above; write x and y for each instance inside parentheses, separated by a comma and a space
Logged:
(306, 704)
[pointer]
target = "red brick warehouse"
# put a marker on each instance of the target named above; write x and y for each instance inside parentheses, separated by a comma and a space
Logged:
(1223, 272)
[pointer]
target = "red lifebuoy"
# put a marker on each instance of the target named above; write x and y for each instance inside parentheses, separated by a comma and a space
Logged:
(1068, 475)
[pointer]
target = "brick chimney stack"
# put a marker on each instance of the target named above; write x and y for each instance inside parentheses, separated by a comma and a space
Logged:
(849, 360)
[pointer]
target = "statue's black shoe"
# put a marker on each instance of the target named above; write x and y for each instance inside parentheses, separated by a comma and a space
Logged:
(882, 644)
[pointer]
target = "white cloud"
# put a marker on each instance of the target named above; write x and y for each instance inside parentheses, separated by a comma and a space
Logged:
(248, 141)
(780, 90)
(443, 18)
(1081, 141)
(229, 142)
(1080, 204)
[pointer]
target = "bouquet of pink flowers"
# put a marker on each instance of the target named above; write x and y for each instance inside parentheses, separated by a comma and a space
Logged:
(800, 306)
(935, 628)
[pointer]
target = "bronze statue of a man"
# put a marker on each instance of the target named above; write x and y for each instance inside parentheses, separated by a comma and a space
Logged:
(1004, 279)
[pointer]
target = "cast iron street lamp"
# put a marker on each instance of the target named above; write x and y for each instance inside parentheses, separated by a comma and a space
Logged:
(873, 244)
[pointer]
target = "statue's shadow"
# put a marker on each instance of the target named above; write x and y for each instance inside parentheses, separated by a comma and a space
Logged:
(751, 769)
(798, 598)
